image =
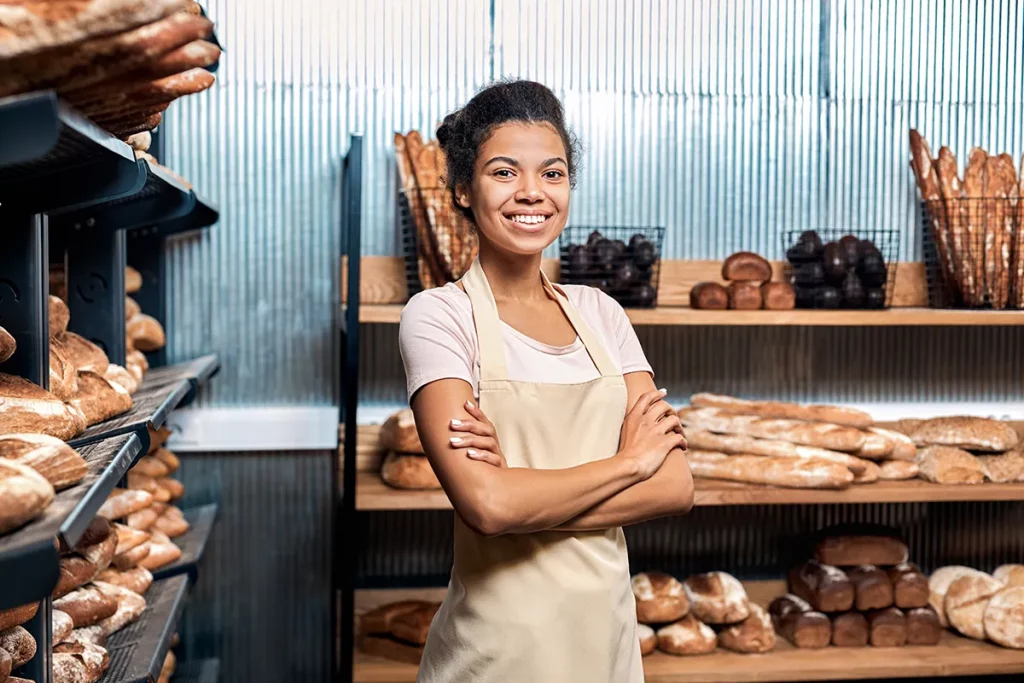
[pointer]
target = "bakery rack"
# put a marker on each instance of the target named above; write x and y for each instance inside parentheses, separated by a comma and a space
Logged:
(72, 192)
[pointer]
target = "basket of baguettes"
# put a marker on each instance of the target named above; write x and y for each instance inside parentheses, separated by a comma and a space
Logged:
(438, 240)
(973, 227)
(119, 62)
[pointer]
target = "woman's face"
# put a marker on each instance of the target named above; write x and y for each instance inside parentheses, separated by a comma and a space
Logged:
(520, 189)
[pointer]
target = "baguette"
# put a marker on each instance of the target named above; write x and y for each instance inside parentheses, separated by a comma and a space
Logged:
(130, 606)
(870, 475)
(137, 580)
(128, 538)
(951, 189)
(757, 469)
(792, 411)
(1001, 179)
(174, 488)
(903, 447)
(973, 212)
(116, 97)
(818, 434)
(700, 439)
(131, 558)
(897, 470)
(429, 272)
(57, 462)
(61, 626)
(1017, 252)
(922, 164)
(876, 446)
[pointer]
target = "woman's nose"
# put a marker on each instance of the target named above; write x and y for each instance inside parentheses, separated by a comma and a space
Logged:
(529, 192)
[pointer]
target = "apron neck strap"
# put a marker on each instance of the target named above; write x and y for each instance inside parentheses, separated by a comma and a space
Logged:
(488, 326)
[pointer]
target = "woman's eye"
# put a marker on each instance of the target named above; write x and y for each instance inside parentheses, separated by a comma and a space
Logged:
(553, 175)
(503, 173)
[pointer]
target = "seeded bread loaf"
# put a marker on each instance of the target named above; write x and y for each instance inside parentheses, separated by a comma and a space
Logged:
(970, 433)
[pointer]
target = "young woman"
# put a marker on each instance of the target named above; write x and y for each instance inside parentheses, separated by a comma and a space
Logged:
(539, 414)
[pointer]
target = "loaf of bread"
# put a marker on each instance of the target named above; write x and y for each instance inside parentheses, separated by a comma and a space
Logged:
(57, 462)
(820, 434)
(130, 606)
(24, 494)
(132, 277)
(6, 664)
(778, 296)
(836, 415)
(745, 296)
(699, 439)
(850, 629)
(938, 584)
(378, 620)
(59, 316)
(909, 585)
(161, 554)
(869, 475)
(755, 634)
(398, 433)
(717, 598)
(796, 621)
(168, 458)
(174, 488)
(146, 333)
(116, 374)
(1003, 619)
(128, 538)
(897, 470)
(1009, 574)
(131, 306)
(143, 520)
(408, 471)
(100, 554)
(86, 606)
(746, 266)
(949, 465)
(709, 296)
(807, 473)
(79, 662)
(876, 446)
(99, 399)
(688, 636)
(26, 408)
(887, 627)
(923, 627)
(1004, 468)
(123, 502)
(903, 447)
(969, 433)
(413, 626)
(966, 600)
(872, 588)
(61, 625)
(15, 616)
(75, 571)
(850, 546)
(131, 558)
(136, 365)
(83, 354)
(7, 345)
(172, 522)
(18, 643)
(151, 466)
(137, 580)
(648, 639)
(63, 375)
(660, 598)
(825, 587)
(144, 482)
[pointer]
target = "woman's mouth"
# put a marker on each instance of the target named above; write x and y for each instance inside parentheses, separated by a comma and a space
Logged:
(528, 222)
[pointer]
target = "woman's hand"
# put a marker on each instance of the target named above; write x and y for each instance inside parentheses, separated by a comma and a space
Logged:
(478, 436)
(650, 431)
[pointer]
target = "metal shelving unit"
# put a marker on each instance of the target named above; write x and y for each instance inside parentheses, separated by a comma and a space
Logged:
(150, 407)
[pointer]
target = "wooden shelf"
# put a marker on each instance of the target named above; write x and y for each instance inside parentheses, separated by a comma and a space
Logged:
(373, 494)
(912, 317)
(953, 656)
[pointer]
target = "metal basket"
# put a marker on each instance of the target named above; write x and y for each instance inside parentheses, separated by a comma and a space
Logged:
(438, 242)
(622, 262)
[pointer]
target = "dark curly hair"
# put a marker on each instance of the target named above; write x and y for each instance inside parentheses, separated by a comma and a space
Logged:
(463, 131)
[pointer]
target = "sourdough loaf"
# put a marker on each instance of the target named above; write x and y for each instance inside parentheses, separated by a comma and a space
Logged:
(398, 433)
(648, 639)
(6, 664)
(777, 409)
(699, 439)
(757, 469)
(28, 408)
(86, 606)
(1003, 619)
(116, 374)
(660, 598)
(7, 345)
(717, 598)
(151, 466)
(949, 465)
(709, 296)
(24, 494)
(138, 580)
(19, 644)
(819, 434)
(57, 462)
(123, 502)
(755, 634)
(100, 554)
(75, 571)
(1004, 468)
(83, 354)
(938, 584)
(59, 316)
(970, 433)
(688, 636)
(15, 616)
(61, 626)
(146, 332)
(63, 375)
(966, 600)
(79, 662)
(130, 606)
(99, 399)
(408, 471)
(1010, 574)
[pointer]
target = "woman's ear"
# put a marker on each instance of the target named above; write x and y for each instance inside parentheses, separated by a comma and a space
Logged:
(462, 196)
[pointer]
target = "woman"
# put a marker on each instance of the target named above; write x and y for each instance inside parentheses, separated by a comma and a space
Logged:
(568, 439)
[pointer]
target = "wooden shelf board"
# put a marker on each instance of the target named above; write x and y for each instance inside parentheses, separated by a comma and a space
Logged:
(953, 656)
(913, 317)
(373, 494)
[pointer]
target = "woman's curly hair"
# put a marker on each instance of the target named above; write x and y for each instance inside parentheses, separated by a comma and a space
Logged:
(463, 132)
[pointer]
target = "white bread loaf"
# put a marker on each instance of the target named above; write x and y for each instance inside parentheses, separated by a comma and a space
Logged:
(819, 434)
(966, 600)
(1004, 618)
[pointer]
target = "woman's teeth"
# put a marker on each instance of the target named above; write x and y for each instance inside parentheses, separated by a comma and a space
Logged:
(529, 220)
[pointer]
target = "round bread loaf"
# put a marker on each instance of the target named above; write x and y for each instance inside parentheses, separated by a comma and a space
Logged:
(717, 598)
(1003, 618)
(60, 316)
(660, 598)
(24, 494)
(19, 644)
(408, 471)
(746, 265)
(398, 433)
(688, 636)
(938, 584)
(7, 345)
(754, 634)
(62, 626)
(648, 639)
(1010, 574)
(966, 600)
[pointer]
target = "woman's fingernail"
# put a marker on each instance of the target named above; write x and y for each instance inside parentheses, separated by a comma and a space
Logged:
(455, 440)
(469, 404)
(663, 391)
(456, 423)
(473, 454)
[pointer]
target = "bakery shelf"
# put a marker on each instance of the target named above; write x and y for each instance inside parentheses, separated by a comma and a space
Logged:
(192, 544)
(953, 656)
(373, 494)
(151, 405)
(30, 553)
(52, 158)
(196, 372)
(198, 671)
(893, 317)
(137, 652)
(203, 214)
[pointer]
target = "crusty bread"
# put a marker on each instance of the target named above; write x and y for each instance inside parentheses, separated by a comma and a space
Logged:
(60, 316)
(699, 439)
(938, 585)
(151, 466)
(26, 408)
(378, 620)
(7, 345)
(755, 634)
(1010, 574)
(876, 446)
(131, 558)
(143, 519)
(19, 644)
(897, 469)
(172, 522)
(949, 465)
(128, 538)
(398, 433)
(758, 469)
(24, 494)
(792, 411)
(100, 554)
(79, 661)
(62, 625)
(83, 354)
(116, 374)
(130, 606)
(717, 598)
(146, 332)
(408, 471)
(1003, 618)
(966, 600)
(819, 434)
(869, 475)
(852, 546)
(648, 639)
(688, 636)
(174, 488)
(160, 555)
(1003, 468)
(56, 461)
(660, 598)
(86, 606)
(75, 571)
(15, 616)
(131, 307)
(63, 375)
(903, 447)
(970, 433)
(137, 580)
(100, 399)
(123, 502)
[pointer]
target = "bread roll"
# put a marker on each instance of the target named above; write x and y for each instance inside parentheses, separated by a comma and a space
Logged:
(746, 266)
(699, 439)
(414, 625)
(63, 375)
(24, 494)
(398, 433)
(1003, 619)
(825, 587)
(15, 616)
(850, 629)
(83, 354)
(757, 469)
(910, 586)
(19, 644)
(797, 622)
(717, 598)
(26, 408)
(903, 447)
(59, 316)
(99, 399)
(856, 545)
(966, 600)
(660, 598)
(57, 462)
(408, 472)
(86, 606)
(648, 639)
(1010, 574)
(75, 571)
(146, 332)
(949, 465)
(62, 626)
(897, 470)
(1004, 468)
(836, 415)
(709, 296)
(755, 634)
(688, 636)
(137, 580)
(778, 296)
(745, 296)
(923, 627)
(819, 434)
(887, 627)
(872, 588)
(7, 345)
(123, 502)
(970, 433)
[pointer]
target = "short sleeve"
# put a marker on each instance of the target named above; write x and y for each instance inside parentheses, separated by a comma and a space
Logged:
(434, 342)
(631, 353)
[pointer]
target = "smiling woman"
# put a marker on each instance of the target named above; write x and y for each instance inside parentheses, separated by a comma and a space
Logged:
(538, 412)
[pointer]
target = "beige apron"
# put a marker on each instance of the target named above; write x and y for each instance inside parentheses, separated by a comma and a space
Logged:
(547, 607)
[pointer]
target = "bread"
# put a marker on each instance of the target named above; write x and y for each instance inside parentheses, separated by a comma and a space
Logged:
(938, 584)
(128, 538)
(688, 636)
(778, 296)
(700, 439)
(100, 399)
(62, 626)
(969, 433)
(951, 189)
(745, 296)
(7, 345)
(26, 408)
(123, 502)
(910, 586)
(174, 488)
(378, 620)
(198, 54)
(6, 664)
(819, 434)
(83, 354)
(86, 606)
(796, 621)
(24, 494)
(15, 616)
(81, 662)
(138, 580)
(59, 316)
(757, 469)
(660, 598)
(117, 96)
(856, 545)
(119, 375)
(75, 571)
(923, 627)
(151, 466)
(1003, 619)
(130, 606)
(57, 462)
(136, 365)
(826, 588)
(850, 629)
(169, 665)
(398, 433)
(90, 635)
(709, 296)
(408, 472)
(966, 600)
(172, 522)
(146, 333)
(144, 482)
(131, 558)
(836, 415)
(140, 143)
(169, 459)
(412, 626)
(876, 446)
(144, 519)
(1004, 468)
(755, 634)
(869, 475)
(717, 598)
(903, 447)
(19, 644)
(897, 470)
(872, 588)
(648, 639)
(925, 173)
(1010, 574)
(63, 375)
(887, 627)
(949, 465)
(746, 266)
(100, 554)
(160, 555)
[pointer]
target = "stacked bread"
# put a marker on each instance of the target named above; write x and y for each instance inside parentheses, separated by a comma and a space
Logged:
(749, 287)
(397, 630)
(695, 616)
(858, 589)
(33, 467)
(17, 646)
(405, 466)
(980, 605)
(120, 62)
(445, 244)
(790, 444)
(966, 450)
(143, 332)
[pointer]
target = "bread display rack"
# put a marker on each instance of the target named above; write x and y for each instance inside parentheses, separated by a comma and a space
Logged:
(73, 193)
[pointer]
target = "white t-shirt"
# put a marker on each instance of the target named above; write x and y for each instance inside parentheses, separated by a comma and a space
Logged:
(437, 338)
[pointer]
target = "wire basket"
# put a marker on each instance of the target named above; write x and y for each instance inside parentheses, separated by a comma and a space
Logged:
(620, 261)
(835, 269)
(438, 242)
(974, 252)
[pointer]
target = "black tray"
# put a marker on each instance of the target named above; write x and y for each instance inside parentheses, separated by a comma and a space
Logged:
(192, 544)
(151, 406)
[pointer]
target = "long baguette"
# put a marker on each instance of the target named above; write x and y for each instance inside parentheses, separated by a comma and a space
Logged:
(1003, 177)
(791, 411)
(818, 434)
(951, 189)
(801, 473)
(733, 443)
(975, 213)
(921, 163)
(903, 447)
(1017, 251)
